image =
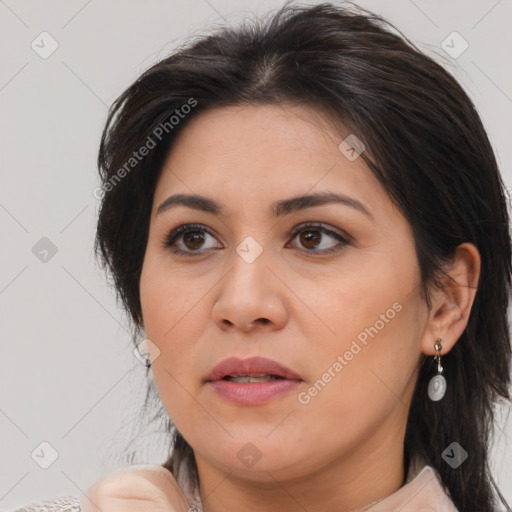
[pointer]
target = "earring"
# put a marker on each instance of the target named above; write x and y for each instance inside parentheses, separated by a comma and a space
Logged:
(437, 384)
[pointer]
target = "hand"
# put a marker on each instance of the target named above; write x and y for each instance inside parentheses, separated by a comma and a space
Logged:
(140, 488)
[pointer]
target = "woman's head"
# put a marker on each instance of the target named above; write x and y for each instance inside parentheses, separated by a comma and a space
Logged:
(319, 100)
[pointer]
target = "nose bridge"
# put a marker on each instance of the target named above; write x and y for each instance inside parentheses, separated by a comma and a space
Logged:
(248, 293)
(248, 277)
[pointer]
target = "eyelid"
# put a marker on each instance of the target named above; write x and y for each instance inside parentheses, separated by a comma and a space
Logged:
(323, 228)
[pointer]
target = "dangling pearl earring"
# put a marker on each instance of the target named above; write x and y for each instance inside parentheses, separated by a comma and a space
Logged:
(437, 384)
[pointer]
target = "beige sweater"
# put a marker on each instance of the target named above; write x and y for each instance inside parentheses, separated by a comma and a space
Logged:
(422, 491)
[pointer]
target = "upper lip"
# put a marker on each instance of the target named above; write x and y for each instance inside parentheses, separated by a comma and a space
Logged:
(253, 365)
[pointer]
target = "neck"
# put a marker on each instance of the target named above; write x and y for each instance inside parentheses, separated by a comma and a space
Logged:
(353, 481)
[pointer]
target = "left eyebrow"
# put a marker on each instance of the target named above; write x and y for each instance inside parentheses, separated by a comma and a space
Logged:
(278, 209)
(293, 204)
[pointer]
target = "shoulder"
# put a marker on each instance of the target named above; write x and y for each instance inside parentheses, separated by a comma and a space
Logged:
(60, 504)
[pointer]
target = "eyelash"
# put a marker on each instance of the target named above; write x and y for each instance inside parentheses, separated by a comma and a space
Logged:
(170, 239)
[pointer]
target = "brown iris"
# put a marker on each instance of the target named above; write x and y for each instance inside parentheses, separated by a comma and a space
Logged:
(310, 236)
(193, 239)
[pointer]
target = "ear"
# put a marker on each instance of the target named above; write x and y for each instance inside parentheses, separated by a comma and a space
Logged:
(451, 304)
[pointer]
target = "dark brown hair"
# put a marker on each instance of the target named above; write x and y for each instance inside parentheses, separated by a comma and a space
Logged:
(424, 142)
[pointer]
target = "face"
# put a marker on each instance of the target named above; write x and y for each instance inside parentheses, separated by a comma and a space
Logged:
(328, 290)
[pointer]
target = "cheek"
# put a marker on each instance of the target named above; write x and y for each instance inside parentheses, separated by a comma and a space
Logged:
(373, 380)
(171, 322)
(367, 301)
(171, 314)
(168, 301)
(374, 312)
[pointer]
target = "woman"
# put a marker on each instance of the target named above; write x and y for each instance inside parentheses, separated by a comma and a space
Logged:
(305, 220)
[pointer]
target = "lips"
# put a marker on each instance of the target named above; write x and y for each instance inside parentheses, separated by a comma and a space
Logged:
(253, 366)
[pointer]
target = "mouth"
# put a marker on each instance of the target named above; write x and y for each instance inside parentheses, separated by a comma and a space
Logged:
(251, 370)
(248, 379)
(253, 381)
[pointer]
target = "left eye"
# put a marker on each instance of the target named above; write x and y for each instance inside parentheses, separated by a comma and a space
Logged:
(189, 239)
(312, 235)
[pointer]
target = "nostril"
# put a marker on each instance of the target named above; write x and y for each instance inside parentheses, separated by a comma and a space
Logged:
(264, 321)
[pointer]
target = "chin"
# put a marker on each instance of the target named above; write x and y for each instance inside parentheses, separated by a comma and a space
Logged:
(260, 461)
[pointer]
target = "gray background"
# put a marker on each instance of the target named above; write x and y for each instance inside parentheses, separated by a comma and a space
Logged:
(68, 374)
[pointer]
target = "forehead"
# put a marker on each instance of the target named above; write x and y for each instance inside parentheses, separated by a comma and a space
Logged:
(254, 135)
(262, 153)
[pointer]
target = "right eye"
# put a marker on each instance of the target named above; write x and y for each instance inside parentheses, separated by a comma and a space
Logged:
(187, 239)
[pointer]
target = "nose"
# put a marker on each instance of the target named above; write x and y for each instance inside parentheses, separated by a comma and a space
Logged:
(249, 296)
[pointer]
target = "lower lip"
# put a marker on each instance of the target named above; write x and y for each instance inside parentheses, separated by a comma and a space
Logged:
(253, 393)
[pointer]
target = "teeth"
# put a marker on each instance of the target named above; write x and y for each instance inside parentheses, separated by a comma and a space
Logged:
(244, 379)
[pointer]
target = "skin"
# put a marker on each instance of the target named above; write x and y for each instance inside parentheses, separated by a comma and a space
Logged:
(293, 304)
(138, 488)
